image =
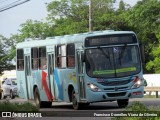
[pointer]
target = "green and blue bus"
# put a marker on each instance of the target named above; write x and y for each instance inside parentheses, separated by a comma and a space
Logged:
(81, 68)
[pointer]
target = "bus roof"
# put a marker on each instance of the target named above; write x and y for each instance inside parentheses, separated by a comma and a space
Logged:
(74, 38)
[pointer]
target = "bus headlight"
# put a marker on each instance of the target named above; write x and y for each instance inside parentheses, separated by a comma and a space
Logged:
(93, 87)
(137, 83)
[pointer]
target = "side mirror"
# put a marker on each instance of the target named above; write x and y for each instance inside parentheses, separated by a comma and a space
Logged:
(142, 52)
(145, 83)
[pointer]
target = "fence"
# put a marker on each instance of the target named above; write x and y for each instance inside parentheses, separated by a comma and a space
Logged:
(152, 89)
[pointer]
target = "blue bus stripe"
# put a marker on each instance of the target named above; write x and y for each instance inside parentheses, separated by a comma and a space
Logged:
(58, 85)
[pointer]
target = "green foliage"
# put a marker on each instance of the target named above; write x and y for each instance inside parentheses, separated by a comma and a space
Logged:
(73, 15)
(121, 6)
(35, 29)
(7, 106)
(137, 108)
(143, 19)
(4, 60)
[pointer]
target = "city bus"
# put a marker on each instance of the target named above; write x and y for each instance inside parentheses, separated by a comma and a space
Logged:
(82, 68)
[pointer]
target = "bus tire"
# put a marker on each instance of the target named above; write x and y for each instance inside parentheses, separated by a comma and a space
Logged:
(76, 105)
(123, 103)
(46, 104)
(11, 95)
(37, 98)
(85, 104)
(39, 103)
(2, 96)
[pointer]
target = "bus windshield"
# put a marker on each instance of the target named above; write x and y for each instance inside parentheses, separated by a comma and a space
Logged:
(109, 62)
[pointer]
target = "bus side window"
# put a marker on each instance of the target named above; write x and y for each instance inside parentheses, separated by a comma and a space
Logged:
(35, 60)
(42, 58)
(70, 55)
(20, 60)
(59, 61)
(61, 56)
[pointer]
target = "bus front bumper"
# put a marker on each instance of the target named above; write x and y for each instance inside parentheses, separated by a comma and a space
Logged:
(114, 95)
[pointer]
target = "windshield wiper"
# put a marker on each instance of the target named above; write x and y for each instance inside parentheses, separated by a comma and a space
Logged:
(106, 55)
(122, 52)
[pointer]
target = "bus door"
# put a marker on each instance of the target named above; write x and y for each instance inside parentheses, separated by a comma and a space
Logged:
(80, 75)
(28, 75)
(50, 81)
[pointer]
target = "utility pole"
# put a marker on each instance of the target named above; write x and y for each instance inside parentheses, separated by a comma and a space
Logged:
(90, 16)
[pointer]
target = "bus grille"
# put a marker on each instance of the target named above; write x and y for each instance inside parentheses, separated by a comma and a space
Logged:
(116, 94)
(118, 88)
(114, 83)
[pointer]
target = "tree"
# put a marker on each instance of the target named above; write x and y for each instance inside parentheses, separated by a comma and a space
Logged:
(35, 29)
(121, 6)
(29, 29)
(154, 63)
(142, 18)
(74, 17)
(5, 63)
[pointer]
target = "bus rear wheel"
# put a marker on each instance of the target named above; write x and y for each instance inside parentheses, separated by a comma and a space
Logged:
(76, 104)
(2, 95)
(37, 97)
(39, 103)
(12, 95)
(123, 103)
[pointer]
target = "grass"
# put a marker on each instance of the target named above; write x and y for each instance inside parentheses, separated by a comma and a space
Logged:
(26, 107)
(139, 108)
(150, 96)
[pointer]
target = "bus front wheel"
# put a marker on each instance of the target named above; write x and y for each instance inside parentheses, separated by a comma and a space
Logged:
(123, 103)
(76, 104)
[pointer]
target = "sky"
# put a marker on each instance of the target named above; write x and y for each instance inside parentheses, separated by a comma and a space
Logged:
(10, 20)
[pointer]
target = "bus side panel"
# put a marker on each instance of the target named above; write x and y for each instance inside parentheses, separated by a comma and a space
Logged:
(42, 85)
(21, 84)
(36, 81)
(67, 77)
(59, 84)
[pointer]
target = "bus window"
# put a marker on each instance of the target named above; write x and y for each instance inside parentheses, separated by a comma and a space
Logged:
(61, 56)
(42, 58)
(34, 56)
(70, 55)
(20, 60)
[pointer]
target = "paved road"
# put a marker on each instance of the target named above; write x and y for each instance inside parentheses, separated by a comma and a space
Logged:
(98, 107)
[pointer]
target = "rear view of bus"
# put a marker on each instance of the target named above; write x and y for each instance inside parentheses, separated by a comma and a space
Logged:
(113, 68)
